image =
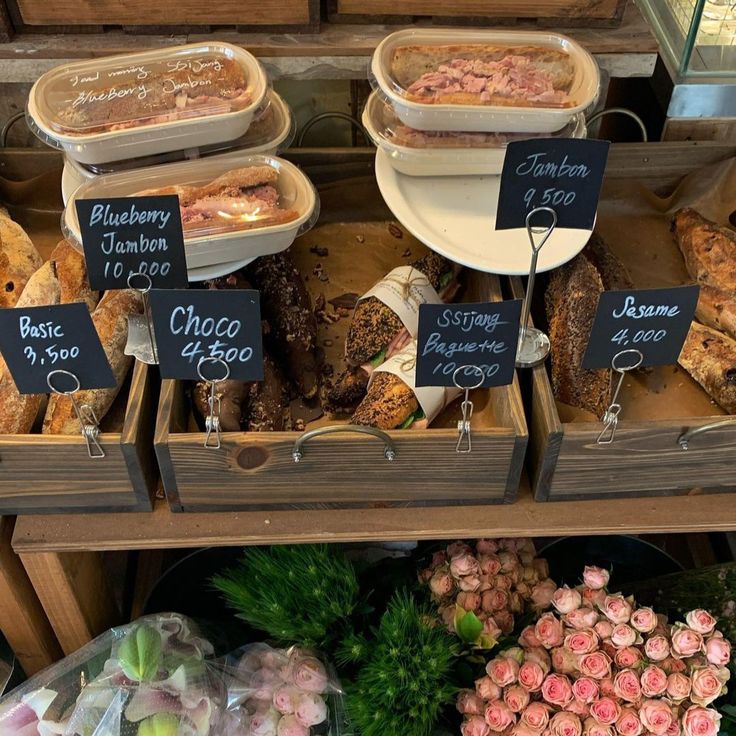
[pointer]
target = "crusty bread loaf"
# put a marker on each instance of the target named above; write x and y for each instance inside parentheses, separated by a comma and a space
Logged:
(232, 394)
(709, 357)
(612, 271)
(111, 322)
(71, 271)
(19, 411)
(19, 260)
(388, 403)
(717, 309)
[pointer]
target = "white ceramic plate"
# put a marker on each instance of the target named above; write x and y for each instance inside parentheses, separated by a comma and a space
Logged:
(456, 217)
(214, 272)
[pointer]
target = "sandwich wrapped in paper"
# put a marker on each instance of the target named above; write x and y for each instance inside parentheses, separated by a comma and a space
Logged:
(386, 319)
(394, 401)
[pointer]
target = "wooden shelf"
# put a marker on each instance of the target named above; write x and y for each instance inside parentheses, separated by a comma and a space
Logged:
(162, 529)
(337, 52)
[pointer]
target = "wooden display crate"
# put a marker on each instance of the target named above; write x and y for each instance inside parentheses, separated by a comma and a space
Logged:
(587, 13)
(164, 16)
(42, 473)
(661, 404)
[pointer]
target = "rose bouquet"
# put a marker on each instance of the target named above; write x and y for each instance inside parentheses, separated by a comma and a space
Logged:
(598, 665)
(479, 591)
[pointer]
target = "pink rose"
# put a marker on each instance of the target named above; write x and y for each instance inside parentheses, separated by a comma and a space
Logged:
(499, 716)
(593, 597)
(564, 661)
(700, 621)
(438, 559)
(606, 687)
(516, 697)
(487, 689)
(657, 648)
(718, 650)
(644, 620)
(706, 685)
(557, 690)
(503, 582)
(578, 708)
(509, 561)
(309, 674)
(469, 703)
(310, 710)
(528, 638)
(596, 665)
(457, 549)
(464, 565)
(582, 641)
(491, 629)
(489, 564)
(566, 599)
(595, 577)
(290, 726)
(542, 593)
(626, 686)
(536, 716)
(604, 629)
(628, 657)
(549, 630)
(671, 665)
(468, 601)
(521, 729)
(628, 723)
(441, 583)
(531, 676)
(515, 603)
(591, 727)
(616, 609)
(623, 636)
(539, 655)
(486, 546)
(495, 600)
(686, 642)
(582, 618)
(264, 722)
(585, 689)
(565, 724)
(505, 621)
(699, 721)
(475, 726)
(674, 729)
(284, 699)
(678, 686)
(503, 670)
(605, 711)
(656, 716)
(469, 584)
(653, 681)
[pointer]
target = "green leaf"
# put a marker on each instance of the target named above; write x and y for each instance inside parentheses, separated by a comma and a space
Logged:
(140, 653)
(468, 626)
(728, 710)
(160, 724)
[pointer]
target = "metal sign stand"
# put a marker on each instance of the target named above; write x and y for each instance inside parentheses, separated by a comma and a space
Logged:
(214, 402)
(141, 340)
(610, 418)
(464, 440)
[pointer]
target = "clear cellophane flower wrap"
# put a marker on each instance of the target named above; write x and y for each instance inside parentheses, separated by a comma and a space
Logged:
(153, 677)
(281, 692)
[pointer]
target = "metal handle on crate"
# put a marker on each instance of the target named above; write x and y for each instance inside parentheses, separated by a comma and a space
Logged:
(389, 450)
(684, 439)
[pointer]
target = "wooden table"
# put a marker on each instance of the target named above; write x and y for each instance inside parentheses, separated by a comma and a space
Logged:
(337, 52)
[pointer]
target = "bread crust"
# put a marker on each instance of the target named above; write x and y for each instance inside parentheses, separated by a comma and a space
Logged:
(19, 260)
(71, 271)
(388, 403)
(717, 309)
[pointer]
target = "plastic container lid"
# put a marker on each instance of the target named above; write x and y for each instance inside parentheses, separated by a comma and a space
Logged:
(485, 80)
(232, 208)
(444, 153)
(139, 104)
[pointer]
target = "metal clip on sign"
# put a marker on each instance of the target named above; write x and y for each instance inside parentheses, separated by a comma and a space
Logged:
(533, 346)
(214, 402)
(85, 414)
(141, 340)
(610, 418)
(464, 440)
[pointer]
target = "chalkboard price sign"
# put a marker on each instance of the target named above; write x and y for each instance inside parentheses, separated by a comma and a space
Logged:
(654, 322)
(193, 324)
(126, 236)
(36, 341)
(454, 341)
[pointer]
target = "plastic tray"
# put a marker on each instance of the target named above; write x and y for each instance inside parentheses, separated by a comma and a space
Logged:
(212, 243)
(123, 107)
(434, 153)
(535, 117)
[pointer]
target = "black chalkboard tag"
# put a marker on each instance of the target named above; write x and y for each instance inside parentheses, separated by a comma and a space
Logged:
(125, 236)
(481, 335)
(35, 341)
(195, 324)
(653, 321)
(562, 173)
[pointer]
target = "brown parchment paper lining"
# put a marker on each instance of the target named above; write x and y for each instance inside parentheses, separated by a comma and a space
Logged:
(635, 223)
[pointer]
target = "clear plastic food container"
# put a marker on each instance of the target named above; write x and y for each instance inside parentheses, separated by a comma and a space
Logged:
(123, 107)
(485, 80)
(271, 132)
(445, 153)
(232, 209)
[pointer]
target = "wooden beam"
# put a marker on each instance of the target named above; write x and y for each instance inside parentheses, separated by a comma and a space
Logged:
(22, 618)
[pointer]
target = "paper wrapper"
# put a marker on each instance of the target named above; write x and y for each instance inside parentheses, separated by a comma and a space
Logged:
(432, 399)
(403, 290)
